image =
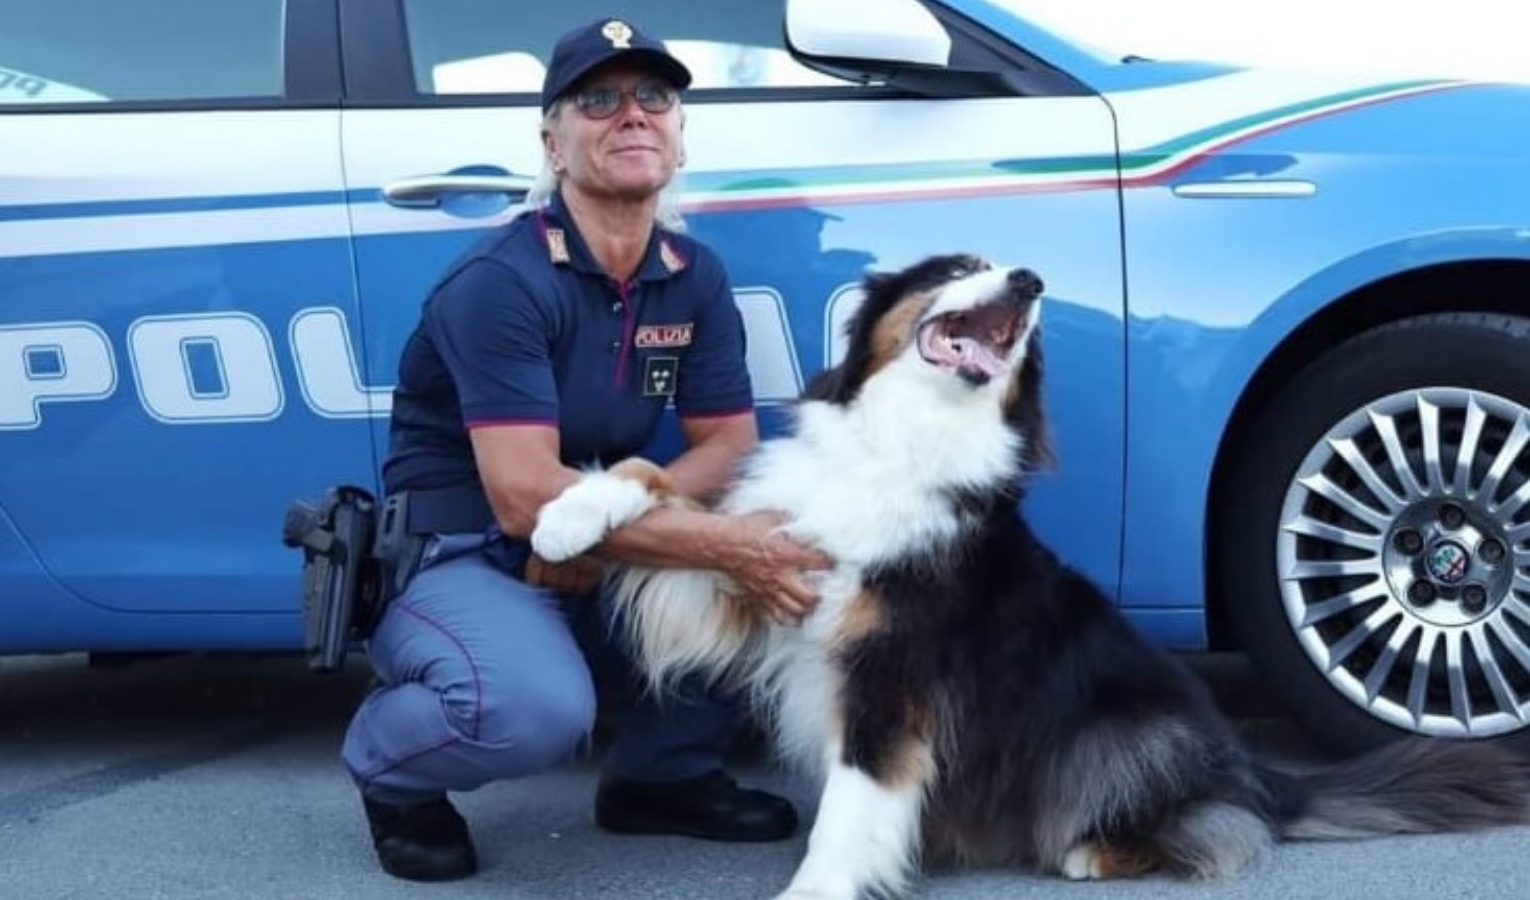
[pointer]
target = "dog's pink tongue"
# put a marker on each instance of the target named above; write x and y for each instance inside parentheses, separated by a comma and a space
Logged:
(981, 357)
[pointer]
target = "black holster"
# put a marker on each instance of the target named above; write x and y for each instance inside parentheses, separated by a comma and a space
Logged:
(342, 583)
(359, 555)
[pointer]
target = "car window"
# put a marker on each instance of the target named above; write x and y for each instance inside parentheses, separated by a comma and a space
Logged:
(17, 86)
(490, 46)
(114, 51)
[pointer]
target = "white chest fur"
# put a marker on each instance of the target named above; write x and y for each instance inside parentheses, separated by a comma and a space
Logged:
(867, 485)
(871, 481)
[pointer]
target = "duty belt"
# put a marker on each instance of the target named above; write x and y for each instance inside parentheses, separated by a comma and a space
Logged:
(452, 510)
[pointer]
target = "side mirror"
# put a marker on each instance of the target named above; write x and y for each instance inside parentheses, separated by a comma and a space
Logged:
(865, 36)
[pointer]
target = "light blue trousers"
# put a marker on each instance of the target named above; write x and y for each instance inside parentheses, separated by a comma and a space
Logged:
(483, 677)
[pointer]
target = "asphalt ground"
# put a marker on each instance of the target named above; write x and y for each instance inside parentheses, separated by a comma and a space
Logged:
(207, 778)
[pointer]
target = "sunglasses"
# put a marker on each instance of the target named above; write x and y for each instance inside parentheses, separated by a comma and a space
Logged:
(603, 102)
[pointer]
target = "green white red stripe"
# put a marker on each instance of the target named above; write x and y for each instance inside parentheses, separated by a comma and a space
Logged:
(1140, 167)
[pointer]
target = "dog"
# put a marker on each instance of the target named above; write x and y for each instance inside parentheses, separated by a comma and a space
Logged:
(962, 695)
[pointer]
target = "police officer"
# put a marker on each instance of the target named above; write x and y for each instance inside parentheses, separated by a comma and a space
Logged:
(553, 343)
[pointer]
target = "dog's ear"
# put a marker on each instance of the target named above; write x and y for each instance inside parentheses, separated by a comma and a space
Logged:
(874, 282)
(1025, 409)
(828, 385)
(1039, 454)
(840, 383)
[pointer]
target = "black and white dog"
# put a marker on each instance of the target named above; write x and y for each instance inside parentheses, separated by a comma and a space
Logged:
(965, 697)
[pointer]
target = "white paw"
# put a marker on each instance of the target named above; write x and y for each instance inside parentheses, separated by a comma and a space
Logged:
(586, 511)
(1081, 863)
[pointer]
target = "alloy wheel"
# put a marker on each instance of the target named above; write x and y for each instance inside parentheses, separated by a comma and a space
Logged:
(1404, 560)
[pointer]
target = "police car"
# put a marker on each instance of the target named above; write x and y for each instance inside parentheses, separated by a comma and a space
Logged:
(1288, 321)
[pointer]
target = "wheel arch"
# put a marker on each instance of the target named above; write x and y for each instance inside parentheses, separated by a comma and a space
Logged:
(1479, 285)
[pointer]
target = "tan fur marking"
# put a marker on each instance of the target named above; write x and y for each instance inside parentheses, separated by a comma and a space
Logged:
(654, 479)
(1112, 861)
(895, 330)
(863, 616)
(649, 474)
(914, 763)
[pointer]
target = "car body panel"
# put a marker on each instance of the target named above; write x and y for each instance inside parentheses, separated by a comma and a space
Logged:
(147, 313)
(1199, 333)
(797, 226)
(1187, 219)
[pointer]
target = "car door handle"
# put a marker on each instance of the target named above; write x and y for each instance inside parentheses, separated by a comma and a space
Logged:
(1285, 188)
(431, 191)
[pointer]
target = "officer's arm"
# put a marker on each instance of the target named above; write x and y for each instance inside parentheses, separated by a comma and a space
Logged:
(715, 444)
(767, 565)
(520, 469)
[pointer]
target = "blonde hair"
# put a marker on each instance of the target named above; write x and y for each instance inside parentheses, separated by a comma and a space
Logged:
(667, 215)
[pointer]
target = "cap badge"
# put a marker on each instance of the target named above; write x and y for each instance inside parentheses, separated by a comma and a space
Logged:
(617, 32)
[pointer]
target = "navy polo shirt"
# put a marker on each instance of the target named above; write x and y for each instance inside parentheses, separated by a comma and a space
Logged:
(525, 327)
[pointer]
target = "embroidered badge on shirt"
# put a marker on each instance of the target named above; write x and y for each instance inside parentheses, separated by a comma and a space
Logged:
(659, 375)
(650, 336)
(671, 258)
(557, 245)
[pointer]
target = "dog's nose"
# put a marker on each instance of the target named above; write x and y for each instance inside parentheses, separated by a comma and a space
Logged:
(1025, 283)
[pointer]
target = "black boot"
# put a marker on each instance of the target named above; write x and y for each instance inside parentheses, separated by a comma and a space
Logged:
(421, 842)
(711, 807)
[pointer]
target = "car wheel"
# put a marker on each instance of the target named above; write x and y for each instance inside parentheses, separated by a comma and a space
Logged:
(1374, 537)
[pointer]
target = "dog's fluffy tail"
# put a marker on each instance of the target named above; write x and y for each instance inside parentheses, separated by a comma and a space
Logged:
(1409, 787)
(687, 621)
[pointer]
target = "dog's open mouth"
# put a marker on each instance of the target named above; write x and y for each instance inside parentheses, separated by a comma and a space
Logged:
(973, 343)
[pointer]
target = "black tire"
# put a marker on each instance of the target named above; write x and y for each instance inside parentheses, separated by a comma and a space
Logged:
(1416, 569)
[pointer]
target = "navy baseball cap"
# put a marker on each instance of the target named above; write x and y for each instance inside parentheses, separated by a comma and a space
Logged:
(582, 50)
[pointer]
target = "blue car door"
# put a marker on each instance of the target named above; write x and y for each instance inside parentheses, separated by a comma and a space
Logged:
(176, 294)
(802, 182)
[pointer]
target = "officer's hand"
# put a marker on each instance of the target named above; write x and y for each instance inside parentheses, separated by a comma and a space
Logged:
(773, 569)
(579, 575)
